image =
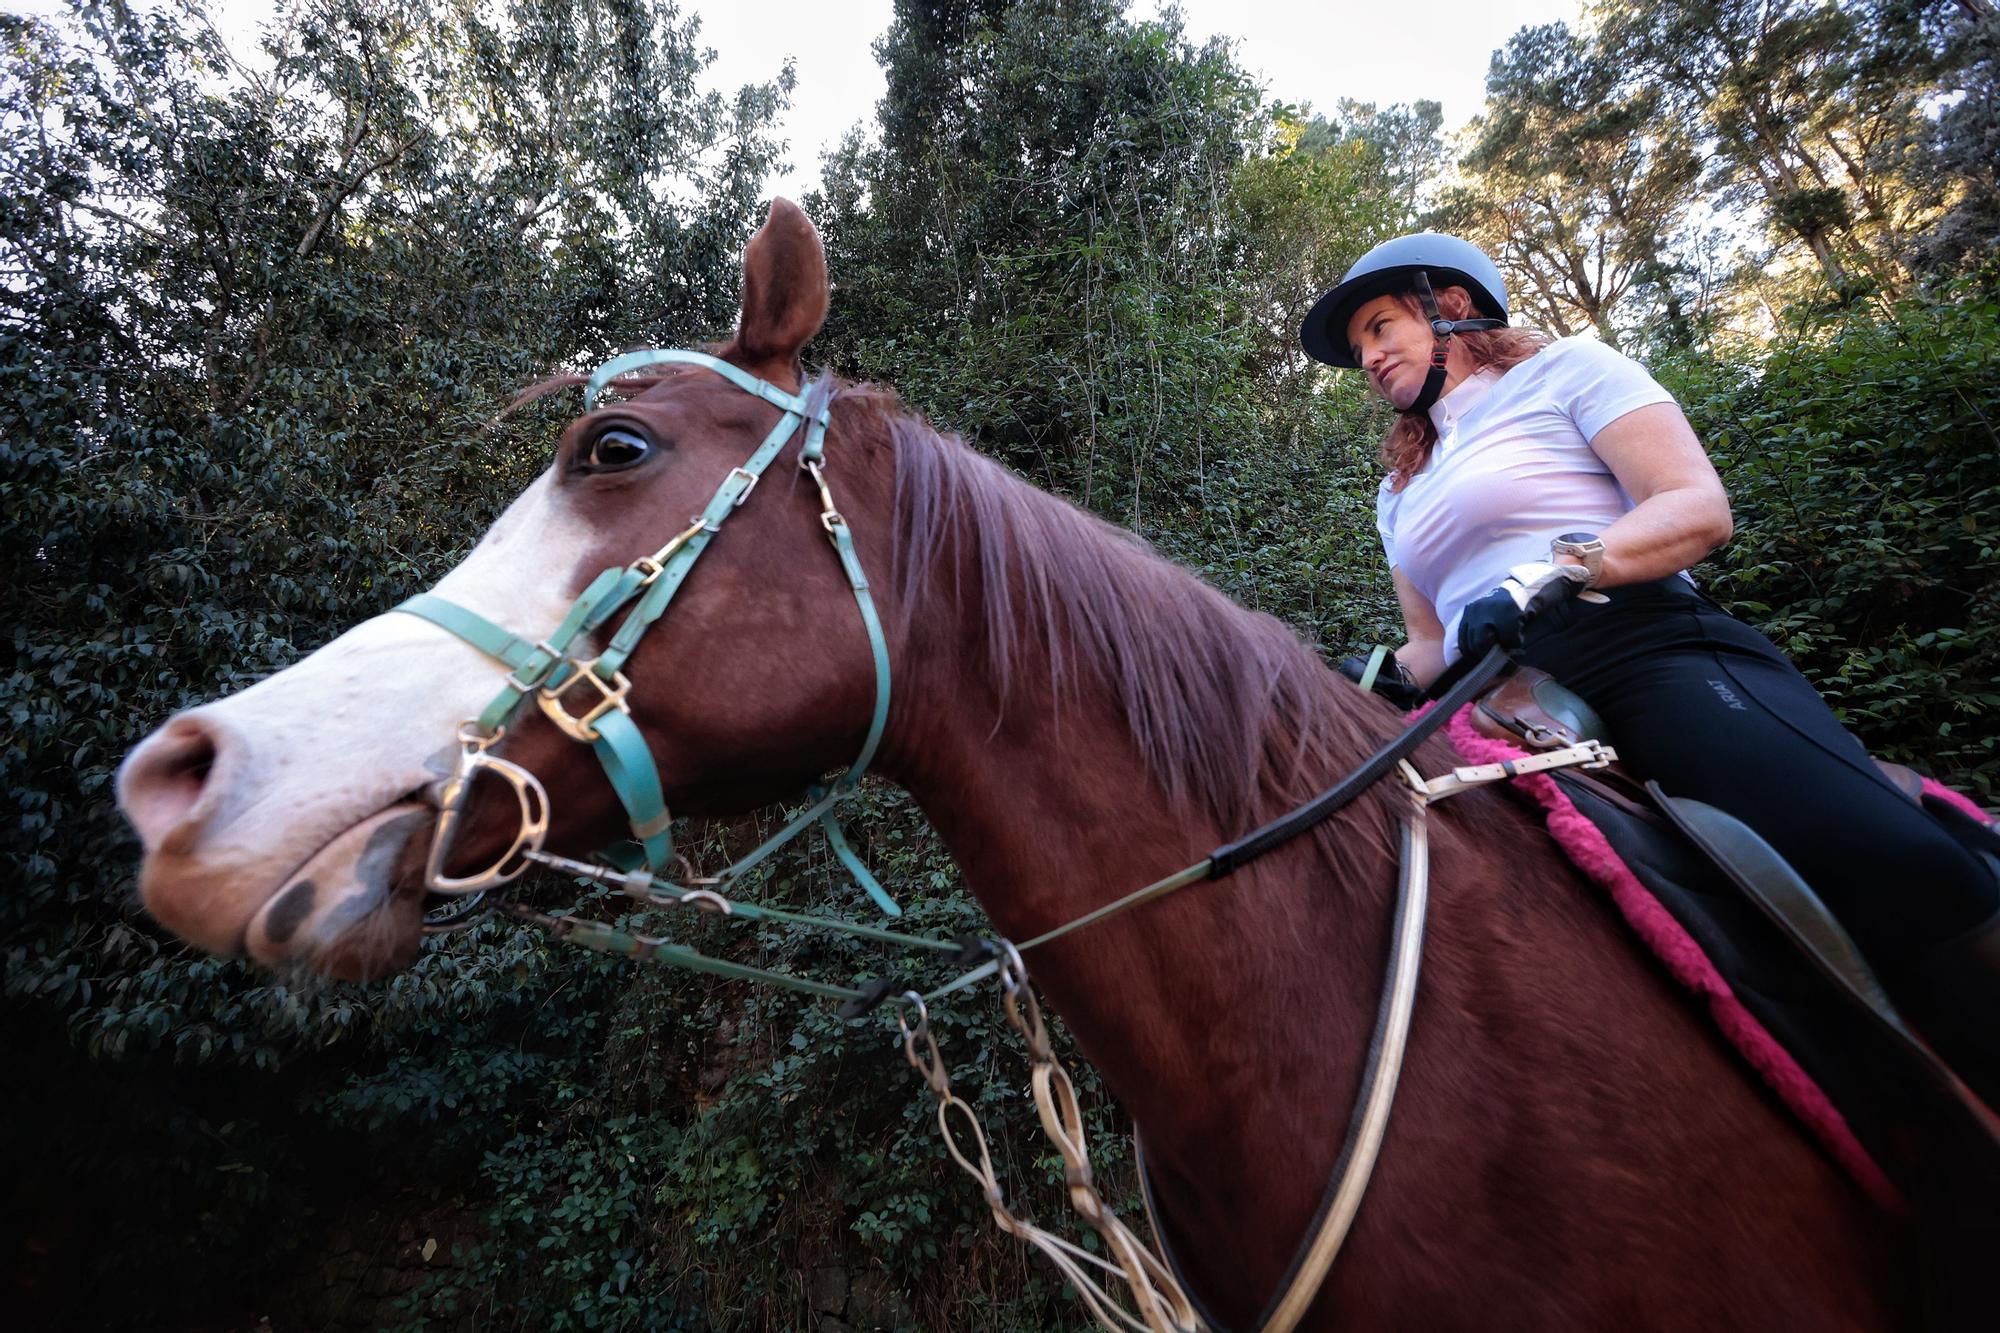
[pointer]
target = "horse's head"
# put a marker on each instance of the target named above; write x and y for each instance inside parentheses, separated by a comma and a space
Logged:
(292, 821)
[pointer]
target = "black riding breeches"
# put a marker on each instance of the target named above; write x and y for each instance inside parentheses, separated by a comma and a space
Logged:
(1701, 703)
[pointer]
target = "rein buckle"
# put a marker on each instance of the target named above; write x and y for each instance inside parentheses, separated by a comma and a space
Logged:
(654, 565)
(583, 727)
(514, 680)
(829, 517)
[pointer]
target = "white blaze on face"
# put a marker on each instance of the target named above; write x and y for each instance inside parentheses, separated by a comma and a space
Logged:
(306, 758)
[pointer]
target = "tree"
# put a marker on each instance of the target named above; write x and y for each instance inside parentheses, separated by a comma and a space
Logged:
(254, 332)
(1808, 108)
(1960, 161)
(1039, 248)
(1408, 138)
(1313, 200)
(1574, 182)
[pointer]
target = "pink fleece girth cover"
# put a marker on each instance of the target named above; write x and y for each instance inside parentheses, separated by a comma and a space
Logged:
(1962, 804)
(1656, 926)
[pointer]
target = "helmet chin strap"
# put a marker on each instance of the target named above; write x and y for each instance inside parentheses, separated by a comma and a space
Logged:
(1441, 329)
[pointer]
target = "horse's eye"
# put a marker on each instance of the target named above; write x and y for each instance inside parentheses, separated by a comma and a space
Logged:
(615, 448)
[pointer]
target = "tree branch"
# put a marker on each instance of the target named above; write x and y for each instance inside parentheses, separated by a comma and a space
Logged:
(150, 232)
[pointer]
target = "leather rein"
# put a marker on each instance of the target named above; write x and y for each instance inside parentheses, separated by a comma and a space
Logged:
(586, 698)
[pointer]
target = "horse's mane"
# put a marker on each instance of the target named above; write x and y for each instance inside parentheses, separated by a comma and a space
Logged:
(1229, 709)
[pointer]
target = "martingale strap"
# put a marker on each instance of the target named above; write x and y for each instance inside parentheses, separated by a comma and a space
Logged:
(643, 589)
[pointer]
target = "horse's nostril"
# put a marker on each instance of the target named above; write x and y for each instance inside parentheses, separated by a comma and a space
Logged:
(162, 781)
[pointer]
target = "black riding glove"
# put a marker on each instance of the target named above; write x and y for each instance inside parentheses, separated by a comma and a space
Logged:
(1393, 682)
(1501, 615)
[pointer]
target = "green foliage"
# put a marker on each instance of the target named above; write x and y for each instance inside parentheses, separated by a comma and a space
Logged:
(1863, 460)
(1665, 169)
(253, 341)
(254, 335)
(1313, 199)
(1040, 247)
(1960, 161)
(1811, 110)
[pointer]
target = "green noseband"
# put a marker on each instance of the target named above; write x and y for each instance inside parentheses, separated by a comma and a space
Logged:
(586, 699)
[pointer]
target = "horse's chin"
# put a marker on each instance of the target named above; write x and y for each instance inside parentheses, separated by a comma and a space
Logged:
(385, 941)
(354, 910)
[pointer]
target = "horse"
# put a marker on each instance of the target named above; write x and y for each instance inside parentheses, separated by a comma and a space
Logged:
(1572, 1147)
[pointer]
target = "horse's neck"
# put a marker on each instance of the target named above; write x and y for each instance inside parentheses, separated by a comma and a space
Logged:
(1191, 1007)
(1551, 1085)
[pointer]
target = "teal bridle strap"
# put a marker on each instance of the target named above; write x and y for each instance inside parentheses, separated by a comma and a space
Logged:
(754, 385)
(628, 763)
(647, 586)
(533, 663)
(878, 643)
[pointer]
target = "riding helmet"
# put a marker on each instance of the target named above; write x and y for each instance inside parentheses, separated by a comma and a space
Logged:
(1393, 266)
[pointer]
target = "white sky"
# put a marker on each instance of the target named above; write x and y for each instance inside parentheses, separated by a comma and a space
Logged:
(1399, 51)
(1393, 51)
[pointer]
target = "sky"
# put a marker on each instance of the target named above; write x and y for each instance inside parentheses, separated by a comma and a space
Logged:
(1304, 52)
(1314, 53)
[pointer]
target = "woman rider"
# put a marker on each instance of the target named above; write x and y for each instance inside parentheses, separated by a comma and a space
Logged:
(1550, 496)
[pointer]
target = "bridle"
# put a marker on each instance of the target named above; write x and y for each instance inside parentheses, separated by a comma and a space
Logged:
(551, 670)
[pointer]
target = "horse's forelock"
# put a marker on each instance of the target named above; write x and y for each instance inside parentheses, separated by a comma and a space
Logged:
(1229, 709)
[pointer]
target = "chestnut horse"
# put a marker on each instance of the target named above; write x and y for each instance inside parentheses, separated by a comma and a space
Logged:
(1572, 1148)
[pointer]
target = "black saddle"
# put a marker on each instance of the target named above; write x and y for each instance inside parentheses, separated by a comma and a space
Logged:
(1800, 974)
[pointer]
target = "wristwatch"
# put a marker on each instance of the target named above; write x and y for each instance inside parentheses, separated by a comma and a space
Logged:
(1584, 546)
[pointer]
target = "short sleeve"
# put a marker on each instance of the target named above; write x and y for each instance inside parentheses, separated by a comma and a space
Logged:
(1597, 385)
(1385, 521)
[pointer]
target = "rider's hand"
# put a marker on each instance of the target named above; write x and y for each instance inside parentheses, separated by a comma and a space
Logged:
(1393, 681)
(1501, 615)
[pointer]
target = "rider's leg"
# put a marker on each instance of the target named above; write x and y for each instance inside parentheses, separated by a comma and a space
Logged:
(1707, 707)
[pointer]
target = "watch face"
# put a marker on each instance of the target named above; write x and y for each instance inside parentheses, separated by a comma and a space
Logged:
(1579, 538)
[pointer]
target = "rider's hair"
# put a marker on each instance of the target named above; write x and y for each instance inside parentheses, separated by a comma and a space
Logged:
(1407, 446)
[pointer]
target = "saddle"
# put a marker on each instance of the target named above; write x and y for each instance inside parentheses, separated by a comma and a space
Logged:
(1804, 982)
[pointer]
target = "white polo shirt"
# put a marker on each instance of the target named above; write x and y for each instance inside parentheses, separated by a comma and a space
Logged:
(1512, 468)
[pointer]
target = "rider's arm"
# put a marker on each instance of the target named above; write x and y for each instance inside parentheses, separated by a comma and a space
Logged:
(1681, 511)
(1423, 655)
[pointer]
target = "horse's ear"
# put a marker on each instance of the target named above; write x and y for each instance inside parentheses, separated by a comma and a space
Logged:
(784, 291)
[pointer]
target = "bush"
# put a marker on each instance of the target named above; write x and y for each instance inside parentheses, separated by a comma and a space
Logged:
(1863, 458)
(247, 396)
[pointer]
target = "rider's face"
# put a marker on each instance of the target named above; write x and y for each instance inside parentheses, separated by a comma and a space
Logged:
(1393, 344)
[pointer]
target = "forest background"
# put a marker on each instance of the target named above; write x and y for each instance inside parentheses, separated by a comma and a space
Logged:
(256, 326)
